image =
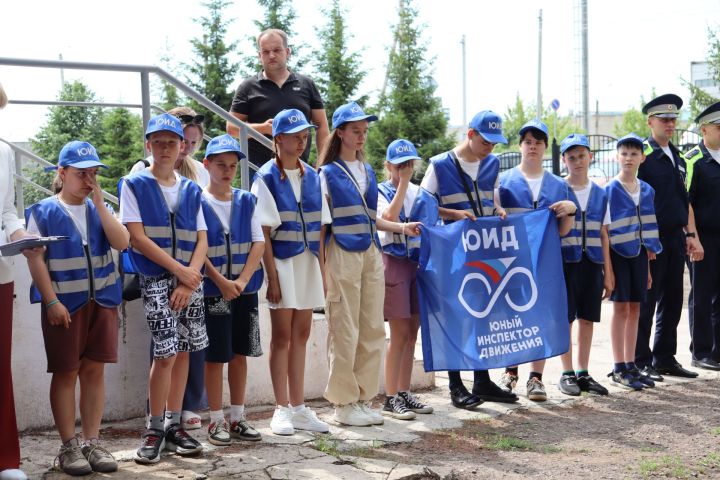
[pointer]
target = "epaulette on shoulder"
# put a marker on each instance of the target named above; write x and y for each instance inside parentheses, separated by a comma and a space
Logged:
(693, 154)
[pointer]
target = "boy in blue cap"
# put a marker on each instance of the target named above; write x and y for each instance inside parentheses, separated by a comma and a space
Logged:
(634, 241)
(586, 264)
(464, 181)
(169, 245)
(79, 287)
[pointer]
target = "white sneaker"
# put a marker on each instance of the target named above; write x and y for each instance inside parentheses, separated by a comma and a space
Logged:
(351, 415)
(281, 423)
(306, 419)
(12, 474)
(374, 415)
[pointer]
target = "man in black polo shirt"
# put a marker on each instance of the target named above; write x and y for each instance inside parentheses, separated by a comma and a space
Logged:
(260, 97)
(664, 170)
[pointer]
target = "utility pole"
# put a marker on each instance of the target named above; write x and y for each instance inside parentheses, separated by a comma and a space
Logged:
(539, 75)
(585, 70)
(464, 84)
(62, 73)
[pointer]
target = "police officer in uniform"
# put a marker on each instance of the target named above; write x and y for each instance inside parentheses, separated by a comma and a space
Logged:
(664, 170)
(703, 179)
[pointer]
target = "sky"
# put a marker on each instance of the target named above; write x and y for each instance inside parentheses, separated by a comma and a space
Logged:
(634, 46)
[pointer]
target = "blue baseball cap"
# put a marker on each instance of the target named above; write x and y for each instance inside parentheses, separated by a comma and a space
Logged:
(489, 125)
(534, 124)
(400, 151)
(290, 120)
(574, 140)
(167, 123)
(222, 144)
(79, 155)
(630, 138)
(350, 112)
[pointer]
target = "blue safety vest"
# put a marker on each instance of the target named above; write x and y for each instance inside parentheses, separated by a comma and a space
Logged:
(78, 273)
(425, 211)
(301, 221)
(516, 196)
(353, 215)
(398, 247)
(451, 189)
(632, 226)
(585, 234)
(175, 233)
(228, 252)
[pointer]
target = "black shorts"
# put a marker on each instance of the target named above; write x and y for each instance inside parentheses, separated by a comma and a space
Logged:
(232, 327)
(584, 284)
(631, 275)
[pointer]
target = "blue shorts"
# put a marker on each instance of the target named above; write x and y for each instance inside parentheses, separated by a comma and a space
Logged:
(631, 275)
(584, 285)
(233, 328)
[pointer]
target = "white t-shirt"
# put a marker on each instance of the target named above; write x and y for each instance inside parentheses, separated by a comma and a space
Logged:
(583, 195)
(357, 168)
(668, 152)
(130, 213)
(223, 209)
(78, 214)
(535, 184)
(714, 154)
(267, 208)
(203, 175)
(386, 238)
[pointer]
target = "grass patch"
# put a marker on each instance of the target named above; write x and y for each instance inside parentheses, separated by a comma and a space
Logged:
(327, 445)
(715, 431)
(711, 460)
(509, 444)
(669, 466)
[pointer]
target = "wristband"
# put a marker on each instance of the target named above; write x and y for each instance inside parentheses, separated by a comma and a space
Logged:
(51, 303)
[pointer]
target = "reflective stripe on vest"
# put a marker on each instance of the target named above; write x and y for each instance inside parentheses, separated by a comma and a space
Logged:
(516, 196)
(425, 211)
(353, 215)
(175, 233)
(632, 226)
(586, 238)
(78, 273)
(234, 245)
(451, 190)
(399, 246)
(300, 221)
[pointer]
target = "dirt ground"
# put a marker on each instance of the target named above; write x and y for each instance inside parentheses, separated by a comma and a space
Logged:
(673, 432)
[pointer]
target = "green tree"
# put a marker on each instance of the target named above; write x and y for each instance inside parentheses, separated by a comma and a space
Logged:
(211, 72)
(278, 14)
(339, 70)
(121, 146)
(409, 108)
(633, 120)
(170, 97)
(63, 124)
(699, 98)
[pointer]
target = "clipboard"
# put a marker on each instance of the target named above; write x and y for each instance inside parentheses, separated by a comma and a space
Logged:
(15, 248)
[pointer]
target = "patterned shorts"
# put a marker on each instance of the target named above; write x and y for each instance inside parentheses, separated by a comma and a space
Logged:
(172, 331)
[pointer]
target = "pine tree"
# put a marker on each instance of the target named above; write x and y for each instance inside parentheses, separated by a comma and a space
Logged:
(63, 125)
(212, 73)
(278, 14)
(121, 146)
(409, 109)
(339, 71)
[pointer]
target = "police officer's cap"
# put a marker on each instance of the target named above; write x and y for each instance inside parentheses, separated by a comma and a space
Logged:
(664, 106)
(709, 115)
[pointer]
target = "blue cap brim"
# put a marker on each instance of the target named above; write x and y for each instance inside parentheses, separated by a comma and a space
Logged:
(631, 141)
(297, 129)
(85, 164)
(494, 137)
(240, 155)
(572, 145)
(523, 131)
(404, 159)
(369, 118)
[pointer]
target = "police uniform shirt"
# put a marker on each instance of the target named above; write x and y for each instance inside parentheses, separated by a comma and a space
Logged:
(703, 192)
(260, 99)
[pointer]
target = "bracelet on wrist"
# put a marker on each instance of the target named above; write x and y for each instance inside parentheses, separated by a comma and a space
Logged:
(51, 303)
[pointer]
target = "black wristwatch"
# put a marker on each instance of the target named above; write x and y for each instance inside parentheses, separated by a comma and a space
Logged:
(690, 235)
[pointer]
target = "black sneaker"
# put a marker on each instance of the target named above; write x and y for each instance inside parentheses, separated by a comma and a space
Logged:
(626, 379)
(489, 392)
(568, 385)
(242, 430)
(179, 441)
(645, 380)
(414, 404)
(589, 384)
(395, 407)
(153, 443)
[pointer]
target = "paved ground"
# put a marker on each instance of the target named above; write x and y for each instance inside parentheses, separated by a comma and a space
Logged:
(334, 456)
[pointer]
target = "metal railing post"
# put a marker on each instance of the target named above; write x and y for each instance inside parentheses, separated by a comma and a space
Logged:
(244, 167)
(19, 188)
(145, 92)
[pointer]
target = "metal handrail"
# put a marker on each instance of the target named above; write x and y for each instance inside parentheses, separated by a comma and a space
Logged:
(145, 71)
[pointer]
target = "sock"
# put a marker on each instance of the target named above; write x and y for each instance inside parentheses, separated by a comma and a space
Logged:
(236, 412)
(582, 373)
(630, 365)
(570, 373)
(171, 418)
(71, 442)
(217, 416)
(157, 422)
(537, 375)
(297, 408)
(512, 370)
(620, 367)
(91, 441)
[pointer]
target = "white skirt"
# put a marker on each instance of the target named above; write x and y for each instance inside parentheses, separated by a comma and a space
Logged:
(300, 282)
